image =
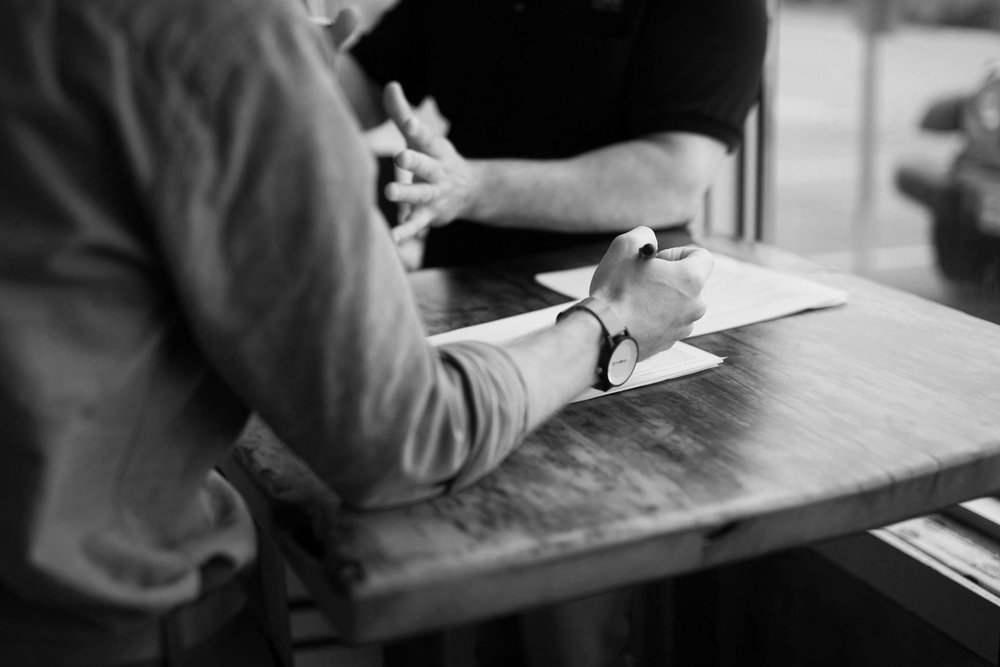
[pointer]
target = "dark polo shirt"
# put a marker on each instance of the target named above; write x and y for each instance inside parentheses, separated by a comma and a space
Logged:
(549, 79)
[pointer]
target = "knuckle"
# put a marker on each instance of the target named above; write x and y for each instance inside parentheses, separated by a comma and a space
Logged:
(699, 308)
(638, 235)
(621, 242)
(694, 282)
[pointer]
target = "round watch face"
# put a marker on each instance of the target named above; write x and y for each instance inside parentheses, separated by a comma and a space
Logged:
(622, 361)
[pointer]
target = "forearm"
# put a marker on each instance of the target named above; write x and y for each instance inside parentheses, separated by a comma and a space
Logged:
(557, 364)
(488, 399)
(657, 181)
(459, 416)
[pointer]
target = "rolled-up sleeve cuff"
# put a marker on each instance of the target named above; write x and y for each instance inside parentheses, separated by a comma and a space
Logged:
(497, 404)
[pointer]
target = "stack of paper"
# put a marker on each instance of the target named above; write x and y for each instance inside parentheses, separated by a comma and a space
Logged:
(679, 360)
(737, 294)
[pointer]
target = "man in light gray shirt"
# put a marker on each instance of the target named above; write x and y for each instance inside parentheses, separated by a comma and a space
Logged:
(188, 235)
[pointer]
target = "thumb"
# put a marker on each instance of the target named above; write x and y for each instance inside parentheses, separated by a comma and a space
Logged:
(415, 225)
(396, 104)
(627, 244)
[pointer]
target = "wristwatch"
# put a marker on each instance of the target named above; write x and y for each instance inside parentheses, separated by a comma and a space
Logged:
(619, 351)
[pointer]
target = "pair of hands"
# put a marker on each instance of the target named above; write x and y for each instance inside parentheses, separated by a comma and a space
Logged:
(658, 298)
(438, 185)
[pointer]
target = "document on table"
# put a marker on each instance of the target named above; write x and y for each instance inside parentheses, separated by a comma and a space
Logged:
(681, 359)
(737, 293)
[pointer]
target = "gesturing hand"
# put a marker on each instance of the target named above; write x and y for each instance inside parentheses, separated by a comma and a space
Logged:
(444, 183)
(659, 298)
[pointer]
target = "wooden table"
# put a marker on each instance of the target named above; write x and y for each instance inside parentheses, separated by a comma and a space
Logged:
(817, 425)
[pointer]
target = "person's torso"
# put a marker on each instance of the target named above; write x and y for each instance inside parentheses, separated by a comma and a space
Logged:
(112, 421)
(534, 79)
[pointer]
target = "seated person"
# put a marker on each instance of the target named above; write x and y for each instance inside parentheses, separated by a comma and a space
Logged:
(571, 120)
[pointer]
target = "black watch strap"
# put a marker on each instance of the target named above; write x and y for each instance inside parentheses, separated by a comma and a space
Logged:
(615, 336)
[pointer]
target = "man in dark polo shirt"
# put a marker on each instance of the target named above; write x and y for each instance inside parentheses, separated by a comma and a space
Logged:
(570, 119)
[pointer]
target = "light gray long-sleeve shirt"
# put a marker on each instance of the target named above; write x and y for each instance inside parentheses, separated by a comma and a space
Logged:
(188, 234)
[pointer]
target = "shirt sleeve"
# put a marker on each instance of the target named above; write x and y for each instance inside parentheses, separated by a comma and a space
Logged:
(697, 68)
(396, 48)
(286, 274)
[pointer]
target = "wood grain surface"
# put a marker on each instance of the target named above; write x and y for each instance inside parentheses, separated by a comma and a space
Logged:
(817, 425)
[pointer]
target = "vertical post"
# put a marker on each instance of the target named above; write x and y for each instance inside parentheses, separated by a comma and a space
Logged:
(764, 223)
(876, 18)
(863, 234)
(742, 175)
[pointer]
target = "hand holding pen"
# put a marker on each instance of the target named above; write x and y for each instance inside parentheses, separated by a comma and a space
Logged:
(648, 251)
(659, 301)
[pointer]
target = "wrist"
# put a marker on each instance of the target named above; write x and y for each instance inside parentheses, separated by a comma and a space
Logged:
(479, 202)
(583, 333)
(585, 327)
(619, 351)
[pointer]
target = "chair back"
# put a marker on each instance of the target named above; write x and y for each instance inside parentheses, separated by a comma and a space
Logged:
(740, 203)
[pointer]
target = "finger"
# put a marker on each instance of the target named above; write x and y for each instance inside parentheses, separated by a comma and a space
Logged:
(405, 177)
(400, 111)
(422, 166)
(698, 263)
(421, 217)
(674, 254)
(423, 139)
(417, 193)
(628, 244)
(417, 135)
(419, 221)
(700, 308)
(396, 105)
(346, 28)
(403, 212)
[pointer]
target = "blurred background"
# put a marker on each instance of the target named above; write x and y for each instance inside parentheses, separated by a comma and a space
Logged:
(853, 81)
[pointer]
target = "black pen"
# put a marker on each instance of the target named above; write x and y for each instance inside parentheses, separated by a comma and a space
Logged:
(647, 251)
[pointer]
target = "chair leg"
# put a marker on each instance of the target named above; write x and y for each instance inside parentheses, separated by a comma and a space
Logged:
(266, 585)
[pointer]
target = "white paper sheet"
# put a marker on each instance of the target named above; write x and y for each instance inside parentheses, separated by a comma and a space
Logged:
(737, 293)
(681, 359)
